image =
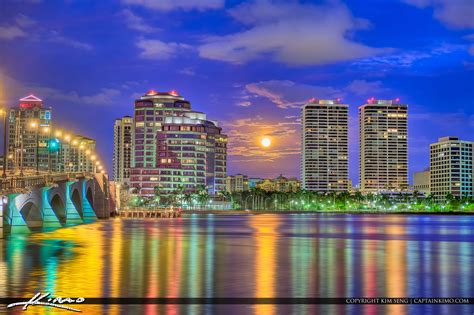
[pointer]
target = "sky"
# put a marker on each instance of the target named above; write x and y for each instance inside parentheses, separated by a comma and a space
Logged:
(249, 65)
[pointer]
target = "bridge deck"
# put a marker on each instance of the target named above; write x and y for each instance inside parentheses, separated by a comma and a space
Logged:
(16, 183)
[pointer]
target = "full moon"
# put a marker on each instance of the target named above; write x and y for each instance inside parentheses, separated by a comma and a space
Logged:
(266, 142)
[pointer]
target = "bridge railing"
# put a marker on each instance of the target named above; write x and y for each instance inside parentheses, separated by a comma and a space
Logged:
(13, 183)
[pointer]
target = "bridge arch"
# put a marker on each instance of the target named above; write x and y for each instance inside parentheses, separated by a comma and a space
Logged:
(76, 200)
(59, 208)
(90, 197)
(32, 215)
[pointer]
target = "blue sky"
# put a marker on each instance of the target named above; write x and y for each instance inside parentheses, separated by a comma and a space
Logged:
(250, 65)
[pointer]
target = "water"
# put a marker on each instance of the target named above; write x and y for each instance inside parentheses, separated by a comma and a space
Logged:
(248, 256)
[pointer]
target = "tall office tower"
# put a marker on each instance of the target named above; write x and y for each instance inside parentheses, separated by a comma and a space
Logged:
(324, 160)
(122, 148)
(451, 169)
(174, 146)
(383, 145)
(28, 132)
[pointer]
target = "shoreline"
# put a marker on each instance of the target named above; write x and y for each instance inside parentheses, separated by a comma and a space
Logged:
(256, 212)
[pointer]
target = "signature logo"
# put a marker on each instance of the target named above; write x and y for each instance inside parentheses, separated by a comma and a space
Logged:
(45, 300)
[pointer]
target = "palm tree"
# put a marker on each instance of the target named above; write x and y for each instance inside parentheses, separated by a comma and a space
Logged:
(203, 195)
(177, 195)
(188, 198)
(157, 192)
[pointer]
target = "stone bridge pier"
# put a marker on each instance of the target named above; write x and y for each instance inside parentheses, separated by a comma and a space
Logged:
(60, 203)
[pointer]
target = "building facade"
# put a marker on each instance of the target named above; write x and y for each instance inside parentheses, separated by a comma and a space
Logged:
(254, 181)
(75, 155)
(383, 145)
(237, 183)
(451, 166)
(122, 149)
(29, 125)
(280, 184)
(421, 182)
(175, 147)
(325, 148)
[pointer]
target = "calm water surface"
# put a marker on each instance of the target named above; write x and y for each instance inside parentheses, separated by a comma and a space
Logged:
(248, 256)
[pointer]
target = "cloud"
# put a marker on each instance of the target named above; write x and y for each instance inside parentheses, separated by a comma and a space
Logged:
(137, 23)
(24, 28)
(187, 71)
(186, 5)
(290, 33)
(24, 21)
(407, 59)
(11, 32)
(245, 134)
(246, 155)
(104, 97)
(457, 14)
(363, 87)
(56, 37)
(158, 50)
(288, 94)
(244, 103)
(13, 90)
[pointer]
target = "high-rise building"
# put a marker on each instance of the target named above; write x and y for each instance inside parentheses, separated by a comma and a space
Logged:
(237, 183)
(451, 169)
(74, 155)
(175, 147)
(383, 145)
(28, 132)
(324, 159)
(122, 148)
(421, 182)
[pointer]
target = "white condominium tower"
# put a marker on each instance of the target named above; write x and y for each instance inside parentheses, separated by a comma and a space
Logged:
(122, 148)
(451, 168)
(324, 161)
(383, 145)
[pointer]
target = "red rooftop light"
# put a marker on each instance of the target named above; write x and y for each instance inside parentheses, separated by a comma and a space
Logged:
(174, 92)
(397, 99)
(371, 100)
(151, 92)
(313, 100)
(30, 98)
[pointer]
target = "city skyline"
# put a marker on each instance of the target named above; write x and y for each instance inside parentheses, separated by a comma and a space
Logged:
(426, 61)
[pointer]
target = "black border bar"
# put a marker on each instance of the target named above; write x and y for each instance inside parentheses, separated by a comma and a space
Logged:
(256, 301)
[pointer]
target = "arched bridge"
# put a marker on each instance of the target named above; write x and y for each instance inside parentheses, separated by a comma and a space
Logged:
(35, 202)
